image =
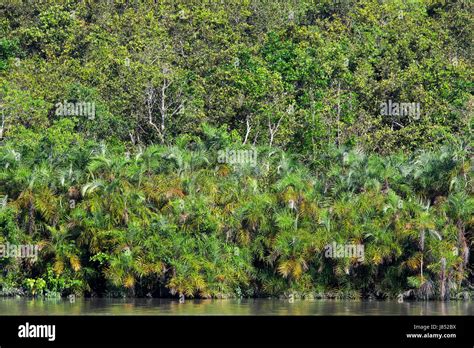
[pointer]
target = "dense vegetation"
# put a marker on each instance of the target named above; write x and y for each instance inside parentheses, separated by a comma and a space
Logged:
(135, 201)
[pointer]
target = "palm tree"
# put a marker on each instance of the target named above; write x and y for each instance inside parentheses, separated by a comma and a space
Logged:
(36, 195)
(60, 245)
(459, 209)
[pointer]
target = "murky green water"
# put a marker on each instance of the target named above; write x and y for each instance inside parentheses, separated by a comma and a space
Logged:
(9, 306)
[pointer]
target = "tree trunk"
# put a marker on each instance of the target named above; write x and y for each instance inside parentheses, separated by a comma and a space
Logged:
(442, 279)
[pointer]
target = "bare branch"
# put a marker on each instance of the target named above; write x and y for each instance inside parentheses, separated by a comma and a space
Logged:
(247, 132)
(3, 125)
(273, 128)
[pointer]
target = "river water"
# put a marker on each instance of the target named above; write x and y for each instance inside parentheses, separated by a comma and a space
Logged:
(22, 306)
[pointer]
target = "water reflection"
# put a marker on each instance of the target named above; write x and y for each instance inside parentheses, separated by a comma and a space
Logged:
(10, 306)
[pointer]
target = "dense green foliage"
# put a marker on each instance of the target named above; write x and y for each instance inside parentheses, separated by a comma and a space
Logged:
(134, 201)
(174, 218)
